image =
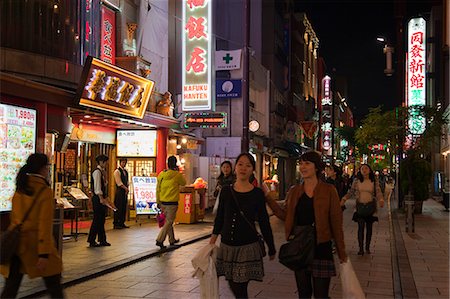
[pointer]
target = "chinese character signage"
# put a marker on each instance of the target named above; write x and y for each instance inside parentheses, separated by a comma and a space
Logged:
(106, 87)
(108, 36)
(17, 142)
(90, 28)
(144, 191)
(205, 120)
(327, 115)
(196, 55)
(136, 143)
(416, 67)
(226, 89)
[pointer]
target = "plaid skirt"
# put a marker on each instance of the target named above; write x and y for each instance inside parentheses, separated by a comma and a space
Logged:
(240, 263)
(323, 263)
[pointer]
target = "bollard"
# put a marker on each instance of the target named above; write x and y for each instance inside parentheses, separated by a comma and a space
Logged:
(409, 218)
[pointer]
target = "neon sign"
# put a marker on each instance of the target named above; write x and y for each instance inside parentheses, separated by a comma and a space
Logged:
(327, 112)
(416, 66)
(196, 55)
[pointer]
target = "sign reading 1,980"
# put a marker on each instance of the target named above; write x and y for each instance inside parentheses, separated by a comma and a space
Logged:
(144, 191)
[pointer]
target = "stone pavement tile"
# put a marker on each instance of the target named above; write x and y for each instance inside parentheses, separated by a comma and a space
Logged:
(103, 291)
(379, 291)
(84, 296)
(434, 284)
(111, 284)
(268, 294)
(378, 296)
(77, 289)
(380, 284)
(168, 294)
(443, 278)
(427, 292)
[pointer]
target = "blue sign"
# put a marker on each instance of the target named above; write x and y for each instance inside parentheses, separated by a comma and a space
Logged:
(228, 88)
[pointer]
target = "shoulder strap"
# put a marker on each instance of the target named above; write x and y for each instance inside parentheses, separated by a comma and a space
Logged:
(31, 207)
(242, 213)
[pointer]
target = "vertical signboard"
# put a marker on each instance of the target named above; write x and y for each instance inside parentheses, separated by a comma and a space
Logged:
(196, 55)
(108, 36)
(144, 191)
(17, 142)
(327, 115)
(90, 28)
(416, 69)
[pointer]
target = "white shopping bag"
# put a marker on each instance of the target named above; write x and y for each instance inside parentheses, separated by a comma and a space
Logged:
(351, 288)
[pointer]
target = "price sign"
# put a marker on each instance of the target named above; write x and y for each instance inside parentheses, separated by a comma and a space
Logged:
(144, 191)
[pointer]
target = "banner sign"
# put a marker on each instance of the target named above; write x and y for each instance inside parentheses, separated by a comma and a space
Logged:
(416, 66)
(309, 127)
(196, 55)
(205, 120)
(136, 143)
(17, 142)
(107, 87)
(228, 88)
(144, 191)
(228, 60)
(326, 115)
(108, 36)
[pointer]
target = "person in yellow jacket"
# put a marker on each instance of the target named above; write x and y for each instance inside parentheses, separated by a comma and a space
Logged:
(167, 195)
(37, 255)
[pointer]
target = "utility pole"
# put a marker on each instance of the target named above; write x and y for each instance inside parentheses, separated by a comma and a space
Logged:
(245, 78)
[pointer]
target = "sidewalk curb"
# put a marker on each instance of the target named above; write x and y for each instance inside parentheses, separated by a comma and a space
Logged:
(37, 292)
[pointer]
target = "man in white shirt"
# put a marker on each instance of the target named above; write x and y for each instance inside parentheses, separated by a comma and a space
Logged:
(120, 200)
(99, 201)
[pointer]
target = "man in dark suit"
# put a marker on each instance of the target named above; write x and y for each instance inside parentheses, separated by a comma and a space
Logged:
(120, 200)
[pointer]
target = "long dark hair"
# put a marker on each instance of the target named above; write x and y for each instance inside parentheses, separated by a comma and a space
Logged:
(371, 174)
(34, 165)
(250, 157)
(222, 175)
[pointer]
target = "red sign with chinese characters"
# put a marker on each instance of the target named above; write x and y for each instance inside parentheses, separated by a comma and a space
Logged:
(108, 36)
(196, 55)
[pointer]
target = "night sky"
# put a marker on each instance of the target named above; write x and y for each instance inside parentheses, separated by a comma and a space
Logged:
(347, 32)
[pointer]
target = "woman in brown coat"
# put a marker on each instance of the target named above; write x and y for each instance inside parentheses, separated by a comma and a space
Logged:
(37, 255)
(316, 203)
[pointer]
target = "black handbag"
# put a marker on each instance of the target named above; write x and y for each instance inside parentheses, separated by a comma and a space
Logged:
(298, 252)
(10, 239)
(260, 237)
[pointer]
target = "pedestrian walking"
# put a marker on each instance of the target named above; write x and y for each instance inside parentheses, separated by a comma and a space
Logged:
(121, 198)
(99, 203)
(37, 255)
(367, 192)
(333, 176)
(225, 178)
(240, 255)
(167, 196)
(314, 203)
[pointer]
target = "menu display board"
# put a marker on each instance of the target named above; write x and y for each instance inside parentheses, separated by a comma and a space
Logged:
(17, 142)
(137, 143)
(144, 191)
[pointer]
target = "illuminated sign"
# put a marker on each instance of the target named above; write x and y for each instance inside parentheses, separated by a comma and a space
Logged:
(144, 191)
(108, 36)
(326, 115)
(106, 87)
(196, 55)
(416, 66)
(136, 143)
(17, 142)
(228, 88)
(206, 120)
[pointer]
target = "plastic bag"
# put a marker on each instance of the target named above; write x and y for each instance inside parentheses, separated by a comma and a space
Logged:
(216, 204)
(351, 288)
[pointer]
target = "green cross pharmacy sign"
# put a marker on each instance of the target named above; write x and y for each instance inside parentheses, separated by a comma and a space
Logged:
(228, 60)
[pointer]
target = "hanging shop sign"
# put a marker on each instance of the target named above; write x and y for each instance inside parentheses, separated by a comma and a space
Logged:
(93, 134)
(416, 66)
(136, 143)
(196, 55)
(144, 191)
(228, 60)
(108, 36)
(109, 88)
(205, 120)
(326, 115)
(226, 89)
(310, 128)
(17, 142)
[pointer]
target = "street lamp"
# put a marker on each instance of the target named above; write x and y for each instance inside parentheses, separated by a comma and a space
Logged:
(388, 50)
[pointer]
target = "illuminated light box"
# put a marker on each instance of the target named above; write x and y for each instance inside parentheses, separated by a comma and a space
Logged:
(109, 88)
(196, 55)
(136, 143)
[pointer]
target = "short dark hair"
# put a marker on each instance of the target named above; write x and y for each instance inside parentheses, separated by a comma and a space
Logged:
(172, 162)
(123, 160)
(101, 158)
(314, 157)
